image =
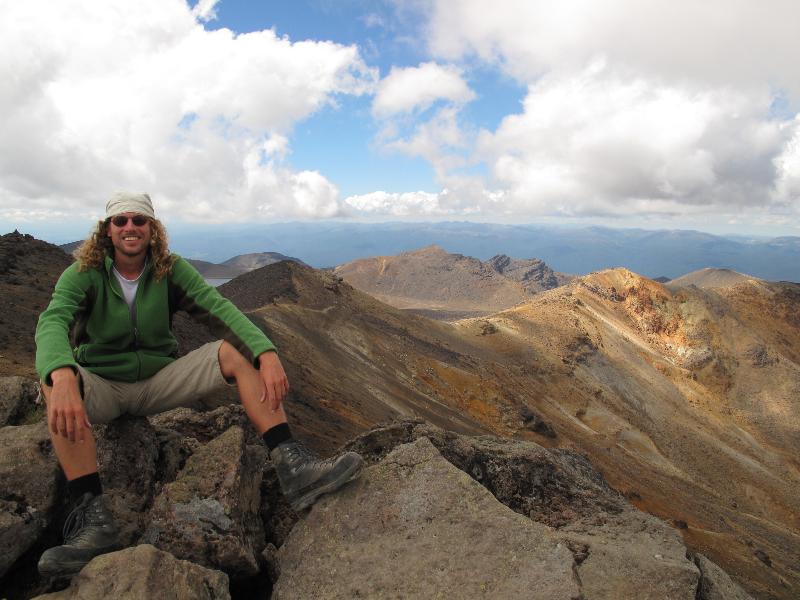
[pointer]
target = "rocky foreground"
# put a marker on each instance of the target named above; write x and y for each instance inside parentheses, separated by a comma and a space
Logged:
(435, 514)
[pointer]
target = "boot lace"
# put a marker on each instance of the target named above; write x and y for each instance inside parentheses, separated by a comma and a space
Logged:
(76, 520)
(298, 452)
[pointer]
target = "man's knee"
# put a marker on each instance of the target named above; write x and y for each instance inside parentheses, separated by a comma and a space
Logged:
(231, 360)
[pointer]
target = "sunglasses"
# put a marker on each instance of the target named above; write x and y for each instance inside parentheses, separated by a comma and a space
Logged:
(122, 220)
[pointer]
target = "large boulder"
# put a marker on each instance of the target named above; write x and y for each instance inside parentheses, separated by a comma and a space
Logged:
(553, 487)
(143, 572)
(17, 400)
(210, 513)
(29, 486)
(619, 551)
(415, 526)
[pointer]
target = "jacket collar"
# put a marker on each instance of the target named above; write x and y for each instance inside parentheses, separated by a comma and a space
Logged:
(109, 264)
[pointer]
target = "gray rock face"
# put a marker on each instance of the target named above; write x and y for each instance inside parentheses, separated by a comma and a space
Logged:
(715, 584)
(630, 555)
(210, 513)
(143, 572)
(619, 552)
(554, 487)
(414, 526)
(533, 273)
(28, 490)
(17, 399)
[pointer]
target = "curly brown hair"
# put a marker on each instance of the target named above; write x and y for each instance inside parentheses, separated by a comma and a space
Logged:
(92, 253)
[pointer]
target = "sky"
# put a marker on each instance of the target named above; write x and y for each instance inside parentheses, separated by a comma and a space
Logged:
(628, 113)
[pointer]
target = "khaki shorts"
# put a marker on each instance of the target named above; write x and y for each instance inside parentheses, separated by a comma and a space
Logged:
(192, 381)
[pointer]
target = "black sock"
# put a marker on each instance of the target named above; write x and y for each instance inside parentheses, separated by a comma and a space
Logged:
(277, 435)
(87, 483)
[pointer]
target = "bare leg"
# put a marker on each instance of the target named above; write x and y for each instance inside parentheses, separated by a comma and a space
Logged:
(251, 389)
(76, 458)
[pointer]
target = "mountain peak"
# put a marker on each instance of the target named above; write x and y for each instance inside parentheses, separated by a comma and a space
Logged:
(432, 249)
(285, 280)
(710, 278)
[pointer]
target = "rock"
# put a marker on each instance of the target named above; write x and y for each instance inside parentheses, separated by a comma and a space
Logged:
(759, 356)
(127, 454)
(29, 486)
(270, 558)
(619, 551)
(143, 572)
(276, 513)
(536, 424)
(554, 487)
(210, 513)
(631, 555)
(763, 557)
(488, 328)
(415, 526)
(174, 449)
(205, 426)
(715, 584)
(17, 400)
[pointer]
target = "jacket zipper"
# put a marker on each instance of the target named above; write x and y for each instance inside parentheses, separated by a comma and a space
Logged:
(135, 322)
(133, 319)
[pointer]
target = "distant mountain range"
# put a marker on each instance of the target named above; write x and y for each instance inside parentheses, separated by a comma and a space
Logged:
(233, 267)
(653, 253)
(668, 253)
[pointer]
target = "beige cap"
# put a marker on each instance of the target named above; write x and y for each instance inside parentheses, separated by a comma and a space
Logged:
(123, 202)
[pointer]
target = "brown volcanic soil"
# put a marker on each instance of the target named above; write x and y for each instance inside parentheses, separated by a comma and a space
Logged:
(685, 399)
(29, 269)
(351, 360)
(433, 280)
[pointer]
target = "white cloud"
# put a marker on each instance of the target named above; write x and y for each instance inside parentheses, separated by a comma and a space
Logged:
(205, 10)
(373, 20)
(633, 107)
(397, 205)
(410, 88)
(788, 167)
(117, 95)
(472, 201)
(439, 140)
(600, 143)
(714, 42)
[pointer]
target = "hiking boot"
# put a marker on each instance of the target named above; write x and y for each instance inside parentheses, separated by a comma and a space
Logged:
(304, 477)
(88, 532)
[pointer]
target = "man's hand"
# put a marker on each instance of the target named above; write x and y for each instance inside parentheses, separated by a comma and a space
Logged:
(65, 413)
(276, 385)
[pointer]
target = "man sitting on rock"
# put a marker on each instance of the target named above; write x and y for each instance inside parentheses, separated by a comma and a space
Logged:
(104, 348)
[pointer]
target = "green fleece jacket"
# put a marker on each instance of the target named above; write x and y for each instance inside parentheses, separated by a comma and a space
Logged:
(88, 322)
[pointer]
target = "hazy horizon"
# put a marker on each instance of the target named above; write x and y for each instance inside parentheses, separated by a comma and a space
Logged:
(565, 248)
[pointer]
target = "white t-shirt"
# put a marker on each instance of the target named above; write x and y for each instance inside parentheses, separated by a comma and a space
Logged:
(129, 287)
